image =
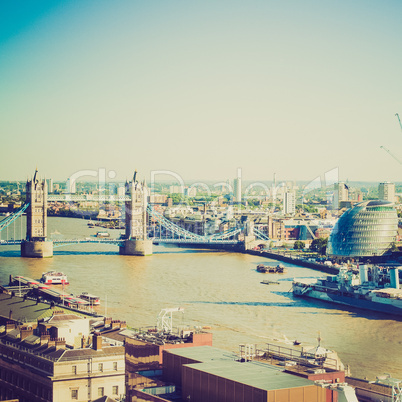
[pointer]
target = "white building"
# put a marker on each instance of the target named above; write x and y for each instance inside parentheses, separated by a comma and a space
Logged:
(341, 193)
(386, 191)
(289, 203)
(176, 190)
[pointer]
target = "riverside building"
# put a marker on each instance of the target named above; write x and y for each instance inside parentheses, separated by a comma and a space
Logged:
(386, 191)
(368, 229)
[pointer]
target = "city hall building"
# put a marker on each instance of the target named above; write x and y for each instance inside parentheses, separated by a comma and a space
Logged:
(366, 230)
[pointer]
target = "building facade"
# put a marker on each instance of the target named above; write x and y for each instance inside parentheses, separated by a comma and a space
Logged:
(386, 191)
(136, 210)
(289, 203)
(35, 367)
(36, 197)
(341, 193)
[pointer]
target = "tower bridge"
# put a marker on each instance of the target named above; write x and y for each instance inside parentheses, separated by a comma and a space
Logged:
(138, 237)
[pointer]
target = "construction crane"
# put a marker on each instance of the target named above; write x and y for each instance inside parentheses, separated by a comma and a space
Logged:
(397, 115)
(387, 150)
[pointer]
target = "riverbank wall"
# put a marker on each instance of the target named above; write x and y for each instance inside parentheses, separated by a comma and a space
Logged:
(295, 261)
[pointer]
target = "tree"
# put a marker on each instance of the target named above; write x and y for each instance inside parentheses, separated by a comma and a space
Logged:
(299, 245)
(319, 245)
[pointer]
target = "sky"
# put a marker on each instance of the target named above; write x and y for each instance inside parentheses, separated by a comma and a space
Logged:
(201, 88)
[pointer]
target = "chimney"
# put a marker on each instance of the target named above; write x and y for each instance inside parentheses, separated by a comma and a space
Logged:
(97, 341)
(108, 321)
(25, 332)
(44, 339)
(60, 343)
(123, 324)
(115, 324)
(9, 326)
(51, 342)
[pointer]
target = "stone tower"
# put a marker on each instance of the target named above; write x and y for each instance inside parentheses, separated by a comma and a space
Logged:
(136, 239)
(36, 244)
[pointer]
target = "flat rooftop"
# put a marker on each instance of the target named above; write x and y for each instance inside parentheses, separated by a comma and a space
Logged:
(254, 374)
(225, 364)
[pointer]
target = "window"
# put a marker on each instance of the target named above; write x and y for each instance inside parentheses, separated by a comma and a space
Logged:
(74, 394)
(115, 366)
(115, 390)
(100, 367)
(74, 369)
(101, 391)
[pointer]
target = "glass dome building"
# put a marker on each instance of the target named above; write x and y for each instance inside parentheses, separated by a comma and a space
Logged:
(368, 229)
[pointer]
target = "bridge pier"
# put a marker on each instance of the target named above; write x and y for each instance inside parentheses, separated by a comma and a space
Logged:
(136, 247)
(37, 249)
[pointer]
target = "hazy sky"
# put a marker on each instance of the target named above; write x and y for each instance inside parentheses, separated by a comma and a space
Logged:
(201, 88)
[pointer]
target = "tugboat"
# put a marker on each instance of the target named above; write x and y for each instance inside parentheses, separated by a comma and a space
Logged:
(54, 278)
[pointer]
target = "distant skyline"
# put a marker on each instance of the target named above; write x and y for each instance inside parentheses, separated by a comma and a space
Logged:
(201, 89)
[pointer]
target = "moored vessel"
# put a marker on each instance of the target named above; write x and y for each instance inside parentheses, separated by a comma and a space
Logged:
(92, 299)
(269, 269)
(378, 291)
(102, 234)
(54, 278)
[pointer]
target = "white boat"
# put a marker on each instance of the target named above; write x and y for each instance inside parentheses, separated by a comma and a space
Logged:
(102, 234)
(92, 299)
(54, 278)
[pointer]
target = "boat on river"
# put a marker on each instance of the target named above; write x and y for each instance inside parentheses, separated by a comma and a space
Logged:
(269, 283)
(102, 234)
(92, 299)
(54, 278)
(379, 292)
(270, 269)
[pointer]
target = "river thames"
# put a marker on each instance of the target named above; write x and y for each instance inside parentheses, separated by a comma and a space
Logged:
(217, 289)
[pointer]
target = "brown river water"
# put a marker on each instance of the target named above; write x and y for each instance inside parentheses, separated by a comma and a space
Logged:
(217, 289)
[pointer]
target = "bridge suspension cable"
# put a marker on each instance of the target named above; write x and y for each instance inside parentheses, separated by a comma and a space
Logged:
(187, 235)
(167, 224)
(11, 218)
(259, 235)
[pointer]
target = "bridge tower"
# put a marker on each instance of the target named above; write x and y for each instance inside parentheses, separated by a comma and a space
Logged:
(136, 238)
(36, 245)
(249, 237)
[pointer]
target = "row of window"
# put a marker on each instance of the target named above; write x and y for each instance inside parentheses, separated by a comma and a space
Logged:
(101, 392)
(100, 368)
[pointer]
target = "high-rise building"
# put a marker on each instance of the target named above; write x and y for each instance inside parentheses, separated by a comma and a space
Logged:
(386, 191)
(237, 187)
(49, 185)
(71, 187)
(175, 189)
(289, 203)
(341, 193)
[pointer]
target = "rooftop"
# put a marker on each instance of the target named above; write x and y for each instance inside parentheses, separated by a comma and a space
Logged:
(254, 374)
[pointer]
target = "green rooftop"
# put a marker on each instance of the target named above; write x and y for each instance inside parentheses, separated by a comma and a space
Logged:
(224, 364)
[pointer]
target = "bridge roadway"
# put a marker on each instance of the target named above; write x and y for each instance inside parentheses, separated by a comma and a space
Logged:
(86, 197)
(118, 242)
